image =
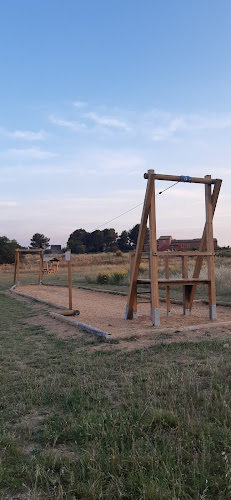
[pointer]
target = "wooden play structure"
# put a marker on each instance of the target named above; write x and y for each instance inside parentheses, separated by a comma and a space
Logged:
(17, 263)
(50, 265)
(206, 250)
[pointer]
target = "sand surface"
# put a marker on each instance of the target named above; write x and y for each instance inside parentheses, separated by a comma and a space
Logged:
(106, 312)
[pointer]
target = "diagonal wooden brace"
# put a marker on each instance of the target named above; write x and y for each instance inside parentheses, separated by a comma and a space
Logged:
(199, 260)
(140, 244)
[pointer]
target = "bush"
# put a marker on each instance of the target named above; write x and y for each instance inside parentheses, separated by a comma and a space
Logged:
(102, 278)
(118, 277)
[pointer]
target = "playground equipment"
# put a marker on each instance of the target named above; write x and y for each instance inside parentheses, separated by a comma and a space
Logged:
(46, 270)
(17, 263)
(206, 250)
(50, 265)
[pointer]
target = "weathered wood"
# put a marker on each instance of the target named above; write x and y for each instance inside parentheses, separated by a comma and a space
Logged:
(70, 282)
(41, 267)
(178, 178)
(139, 247)
(17, 271)
(209, 244)
(185, 294)
(199, 260)
(15, 267)
(183, 254)
(153, 266)
(132, 262)
(29, 250)
(175, 281)
(168, 304)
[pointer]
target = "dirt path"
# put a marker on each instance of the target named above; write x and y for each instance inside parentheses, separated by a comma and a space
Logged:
(106, 312)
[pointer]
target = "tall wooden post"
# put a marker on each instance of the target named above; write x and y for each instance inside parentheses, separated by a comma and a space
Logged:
(132, 262)
(186, 309)
(155, 312)
(15, 266)
(168, 304)
(199, 260)
(210, 248)
(41, 268)
(68, 259)
(139, 246)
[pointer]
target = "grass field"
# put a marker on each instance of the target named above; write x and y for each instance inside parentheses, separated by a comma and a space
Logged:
(82, 422)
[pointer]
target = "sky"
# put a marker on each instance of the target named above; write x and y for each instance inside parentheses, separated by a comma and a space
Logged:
(96, 92)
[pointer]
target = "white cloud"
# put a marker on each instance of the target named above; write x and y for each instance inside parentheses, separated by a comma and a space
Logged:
(28, 153)
(76, 127)
(108, 121)
(165, 126)
(26, 135)
(80, 104)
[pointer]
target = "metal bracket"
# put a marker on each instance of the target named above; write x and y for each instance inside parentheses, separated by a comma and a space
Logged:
(185, 178)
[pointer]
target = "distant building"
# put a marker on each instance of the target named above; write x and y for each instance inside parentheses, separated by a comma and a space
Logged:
(56, 249)
(167, 243)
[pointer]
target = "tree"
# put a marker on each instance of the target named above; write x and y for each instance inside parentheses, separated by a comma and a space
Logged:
(7, 250)
(110, 240)
(39, 241)
(133, 235)
(95, 241)
(124, 242)
(77, 241)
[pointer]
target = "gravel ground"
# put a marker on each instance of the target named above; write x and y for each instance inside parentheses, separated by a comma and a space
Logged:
(106, 312)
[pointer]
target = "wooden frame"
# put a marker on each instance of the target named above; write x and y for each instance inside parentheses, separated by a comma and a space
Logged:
(206, 250)
(16, 265)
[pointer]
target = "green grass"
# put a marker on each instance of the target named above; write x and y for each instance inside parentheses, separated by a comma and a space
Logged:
(152, 424)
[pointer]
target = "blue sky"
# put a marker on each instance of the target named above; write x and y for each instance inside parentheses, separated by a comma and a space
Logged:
(95, 93)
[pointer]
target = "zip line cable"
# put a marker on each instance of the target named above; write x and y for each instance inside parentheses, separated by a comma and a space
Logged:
(118, 216)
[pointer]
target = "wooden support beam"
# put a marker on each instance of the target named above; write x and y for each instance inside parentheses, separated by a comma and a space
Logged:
(132, 262)
(31, 250)
(17, 268)
(41, 268)
(155, 311)
(178, 178)
(183, 254)
(186, 309)
(168, 304)
(139, 247)
(209, 244)
(199, 260)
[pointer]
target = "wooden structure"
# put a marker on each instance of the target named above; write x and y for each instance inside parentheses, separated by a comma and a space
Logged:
(206, 250)
(50, 265)
(16, 265)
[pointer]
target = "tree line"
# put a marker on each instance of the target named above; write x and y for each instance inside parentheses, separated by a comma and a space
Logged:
(107, 240)
(80, 241)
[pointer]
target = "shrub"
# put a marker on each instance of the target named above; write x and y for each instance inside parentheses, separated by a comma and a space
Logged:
(118, 253)
(118, 277)
(102, 278)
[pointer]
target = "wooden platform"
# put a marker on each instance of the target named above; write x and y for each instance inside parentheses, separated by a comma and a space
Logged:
(175, 281)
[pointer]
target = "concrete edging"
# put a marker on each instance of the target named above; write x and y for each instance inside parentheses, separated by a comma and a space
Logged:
(46, 302)
(88, 328)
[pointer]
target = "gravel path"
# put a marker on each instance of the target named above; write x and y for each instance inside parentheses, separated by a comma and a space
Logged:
(106, 312)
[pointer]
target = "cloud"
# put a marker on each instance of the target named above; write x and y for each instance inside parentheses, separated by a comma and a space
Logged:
(28, 153)
(76, 127)
(165, 126)
(107, 121)
(9, 204)
(80, 104)
(26, 135)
